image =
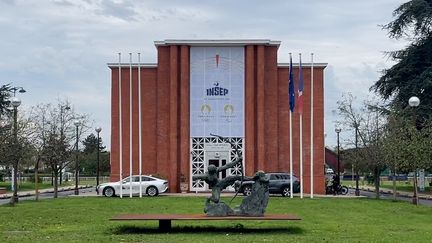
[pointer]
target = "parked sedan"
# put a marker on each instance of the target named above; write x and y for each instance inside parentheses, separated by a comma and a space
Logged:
(150, 185)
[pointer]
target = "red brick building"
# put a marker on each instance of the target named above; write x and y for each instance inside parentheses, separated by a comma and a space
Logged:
(235, 88)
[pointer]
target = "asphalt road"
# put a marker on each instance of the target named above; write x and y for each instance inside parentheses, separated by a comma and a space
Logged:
(49, 195)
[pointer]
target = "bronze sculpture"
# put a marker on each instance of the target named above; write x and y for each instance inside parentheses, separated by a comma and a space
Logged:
(252, 205)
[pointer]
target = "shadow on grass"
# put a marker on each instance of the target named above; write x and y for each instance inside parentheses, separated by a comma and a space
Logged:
(239, 228)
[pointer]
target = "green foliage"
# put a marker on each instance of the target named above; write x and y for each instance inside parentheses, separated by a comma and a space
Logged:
(5, 93)
(406, 147)
(410, 76)
(90, 144)
(88, 163)
(412, 19)
(323, 220)
(412, 73)
(88, 158)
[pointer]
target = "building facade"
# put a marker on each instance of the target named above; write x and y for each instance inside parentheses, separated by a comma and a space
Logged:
(163, 114)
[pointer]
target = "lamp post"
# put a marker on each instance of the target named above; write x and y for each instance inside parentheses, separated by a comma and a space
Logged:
(62, 137)
(98, 130)
(338, 130)
(414, 102)
(357, 190)
(76, 192)
(15, 103)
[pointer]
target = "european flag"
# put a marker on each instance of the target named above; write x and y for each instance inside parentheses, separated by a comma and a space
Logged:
(291, 87)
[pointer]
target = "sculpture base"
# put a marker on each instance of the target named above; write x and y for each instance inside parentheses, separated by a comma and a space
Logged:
(220, 209)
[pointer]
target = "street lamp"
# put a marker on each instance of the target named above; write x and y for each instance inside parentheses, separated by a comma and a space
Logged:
(98, 130)
(15, 103)
(338, 130)
(76, 123)
(19, 89)
(414, 102)
(62, 138)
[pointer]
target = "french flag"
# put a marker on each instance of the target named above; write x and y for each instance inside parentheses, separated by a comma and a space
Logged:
(300, 88)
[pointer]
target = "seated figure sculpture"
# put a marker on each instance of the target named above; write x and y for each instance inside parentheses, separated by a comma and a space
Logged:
(256, 203)
(211, 177)
(253, 205)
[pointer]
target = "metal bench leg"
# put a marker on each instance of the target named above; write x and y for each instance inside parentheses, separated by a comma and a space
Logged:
(165, 225)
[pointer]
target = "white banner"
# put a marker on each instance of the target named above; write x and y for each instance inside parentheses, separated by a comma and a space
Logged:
(421, 180)
(217, 91)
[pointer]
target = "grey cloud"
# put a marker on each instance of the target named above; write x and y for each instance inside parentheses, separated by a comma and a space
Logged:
(8, 2)
(123, 10)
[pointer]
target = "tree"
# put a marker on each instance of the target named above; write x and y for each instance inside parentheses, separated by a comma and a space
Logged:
(59, 137)
(412, 74)
(5, 93)
(5, 121)
(88, 159)
(90, 144)
(408, 148)
(367, 124)
(39, 117)
(15, 146)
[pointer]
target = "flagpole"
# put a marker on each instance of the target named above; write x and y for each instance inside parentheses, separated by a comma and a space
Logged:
(291, 154)
(130, 125)
(312, 132)
(290, 134)
(139, 124)
(120, 126)
(301, 141)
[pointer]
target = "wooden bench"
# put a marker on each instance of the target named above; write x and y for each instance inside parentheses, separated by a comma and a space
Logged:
(165, 219)
(2, 190)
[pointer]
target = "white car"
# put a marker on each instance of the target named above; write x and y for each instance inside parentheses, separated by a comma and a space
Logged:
(150, 185)
(329, 171)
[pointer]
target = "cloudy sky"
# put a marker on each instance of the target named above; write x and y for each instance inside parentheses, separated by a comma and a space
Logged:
(59, 48)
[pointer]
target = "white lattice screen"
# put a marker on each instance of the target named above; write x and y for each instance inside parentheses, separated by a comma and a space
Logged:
(198, 163)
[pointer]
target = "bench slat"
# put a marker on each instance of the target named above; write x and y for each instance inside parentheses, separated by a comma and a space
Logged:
(201, 217)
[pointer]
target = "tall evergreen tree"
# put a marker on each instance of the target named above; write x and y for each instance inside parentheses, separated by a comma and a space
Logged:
(412, 74)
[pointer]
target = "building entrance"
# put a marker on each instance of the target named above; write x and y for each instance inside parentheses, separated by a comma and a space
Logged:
(217, 154)
(218, 159)
(207, 151)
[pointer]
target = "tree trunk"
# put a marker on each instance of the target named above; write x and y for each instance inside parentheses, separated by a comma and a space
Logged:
(377, 182)
(55, 184)
(61, 176)
(415, 198)
(394, 185)
(36, 180)
(357, 190)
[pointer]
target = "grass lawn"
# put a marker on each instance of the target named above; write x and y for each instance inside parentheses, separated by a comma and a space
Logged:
(29, 186)
(25, 186)
(323, 219)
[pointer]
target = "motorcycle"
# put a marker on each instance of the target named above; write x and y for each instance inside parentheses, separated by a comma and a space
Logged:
(341, 190)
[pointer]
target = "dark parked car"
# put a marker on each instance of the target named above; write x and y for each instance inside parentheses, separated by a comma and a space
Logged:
(279, 183)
